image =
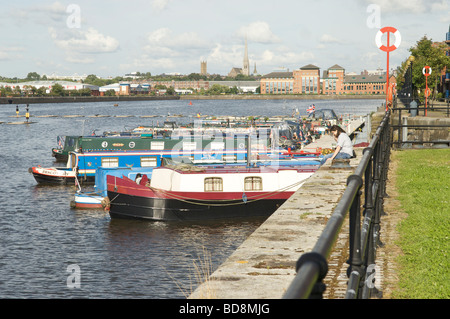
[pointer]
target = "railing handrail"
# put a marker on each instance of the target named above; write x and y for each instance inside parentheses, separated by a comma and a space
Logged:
(371, 172)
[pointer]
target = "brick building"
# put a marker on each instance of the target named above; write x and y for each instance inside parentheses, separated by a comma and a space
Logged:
(333, 80)
(306, 80)
(277, 83)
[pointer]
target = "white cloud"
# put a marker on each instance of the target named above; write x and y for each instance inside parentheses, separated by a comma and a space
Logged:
(285, 57)
(160, 5)
(231, 56)
(258, 32)
(10, 53)
(83, 41)
(39, 14)
(167, 38)
(79, 60)
(164, 42)
(326, 38)
(146, 62)
(411, 6)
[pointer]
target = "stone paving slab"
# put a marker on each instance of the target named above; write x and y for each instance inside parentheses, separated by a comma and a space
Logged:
(263, 266)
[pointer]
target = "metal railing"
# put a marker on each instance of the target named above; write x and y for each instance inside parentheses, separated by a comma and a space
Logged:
(402, 138)
(366, 186)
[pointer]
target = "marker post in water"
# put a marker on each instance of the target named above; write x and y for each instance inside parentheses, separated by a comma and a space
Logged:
(27, 114)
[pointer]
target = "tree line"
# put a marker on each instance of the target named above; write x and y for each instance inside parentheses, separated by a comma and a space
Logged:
(426, 53)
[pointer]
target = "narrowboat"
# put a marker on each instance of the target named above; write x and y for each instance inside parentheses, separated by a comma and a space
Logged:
(145, 140)
(83, 164)
(95, 199)
(200, 193)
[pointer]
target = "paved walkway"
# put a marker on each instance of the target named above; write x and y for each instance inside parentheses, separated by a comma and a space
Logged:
(264, 265)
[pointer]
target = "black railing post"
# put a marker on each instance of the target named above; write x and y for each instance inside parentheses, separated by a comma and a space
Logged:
(400, 131)
(355, 271)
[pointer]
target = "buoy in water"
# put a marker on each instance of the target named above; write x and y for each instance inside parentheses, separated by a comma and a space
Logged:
(190, 102)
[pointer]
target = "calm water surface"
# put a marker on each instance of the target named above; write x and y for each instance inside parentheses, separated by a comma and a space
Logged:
(41, 236)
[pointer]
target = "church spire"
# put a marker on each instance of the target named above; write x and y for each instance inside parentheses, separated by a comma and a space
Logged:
(246, 66)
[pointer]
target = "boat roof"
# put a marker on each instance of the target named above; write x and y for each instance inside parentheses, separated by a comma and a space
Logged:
(229, 169)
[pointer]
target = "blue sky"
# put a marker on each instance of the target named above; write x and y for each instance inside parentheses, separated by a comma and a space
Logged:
(111, 38)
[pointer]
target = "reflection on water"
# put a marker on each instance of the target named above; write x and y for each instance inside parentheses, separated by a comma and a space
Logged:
(40, 235)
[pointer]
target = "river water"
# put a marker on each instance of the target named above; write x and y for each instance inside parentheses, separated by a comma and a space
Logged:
(49, 250)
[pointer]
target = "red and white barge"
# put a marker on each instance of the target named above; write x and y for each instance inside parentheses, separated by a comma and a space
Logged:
(195, 193)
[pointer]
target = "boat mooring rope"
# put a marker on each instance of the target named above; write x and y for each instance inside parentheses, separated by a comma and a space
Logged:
(200, 201)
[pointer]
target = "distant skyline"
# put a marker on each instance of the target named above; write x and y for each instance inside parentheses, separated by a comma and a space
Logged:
(113, 38)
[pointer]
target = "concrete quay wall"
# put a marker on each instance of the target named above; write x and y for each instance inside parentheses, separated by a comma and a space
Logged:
(263, 266)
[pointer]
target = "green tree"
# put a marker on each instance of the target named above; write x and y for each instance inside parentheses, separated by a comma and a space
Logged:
(94, 80)
(170, 91)
(58, 90)
(110, 92)
(33, 76)
(427, 53)
(233, 90)
(41, 91)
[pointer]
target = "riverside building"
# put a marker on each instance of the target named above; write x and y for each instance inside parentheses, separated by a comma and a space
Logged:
(334, 81)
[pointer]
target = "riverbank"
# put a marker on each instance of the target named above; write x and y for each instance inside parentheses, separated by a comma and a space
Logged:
(263, 266)
(81, 99)
(117, 99)
(281, 97)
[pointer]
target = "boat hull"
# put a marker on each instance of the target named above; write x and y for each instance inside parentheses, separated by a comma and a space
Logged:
(59, 155)
(53, 176)
(86, 201)
(57, 176)
(126, 206)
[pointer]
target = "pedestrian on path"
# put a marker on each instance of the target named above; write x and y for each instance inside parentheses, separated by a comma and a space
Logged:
(344, 147)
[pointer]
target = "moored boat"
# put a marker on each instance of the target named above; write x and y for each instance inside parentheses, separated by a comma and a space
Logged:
(193, 193)
(53, 175)
(84, 163)
(95, 199)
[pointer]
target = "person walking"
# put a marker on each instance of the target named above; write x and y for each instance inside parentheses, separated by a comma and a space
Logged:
(344, 147)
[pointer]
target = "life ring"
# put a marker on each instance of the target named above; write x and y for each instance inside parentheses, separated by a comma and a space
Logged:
(398, 39)
(424, 70)
(427, 92)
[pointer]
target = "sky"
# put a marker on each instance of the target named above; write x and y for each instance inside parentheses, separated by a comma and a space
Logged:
(112, 38)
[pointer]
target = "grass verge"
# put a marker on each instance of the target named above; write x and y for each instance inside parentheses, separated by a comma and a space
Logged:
(423, 184)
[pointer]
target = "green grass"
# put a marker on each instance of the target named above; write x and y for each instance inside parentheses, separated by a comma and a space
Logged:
(423, 183)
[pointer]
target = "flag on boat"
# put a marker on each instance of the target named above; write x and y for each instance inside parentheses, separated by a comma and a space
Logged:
(311, 109)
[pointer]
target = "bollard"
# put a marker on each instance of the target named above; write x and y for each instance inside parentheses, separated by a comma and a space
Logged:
(413, 108)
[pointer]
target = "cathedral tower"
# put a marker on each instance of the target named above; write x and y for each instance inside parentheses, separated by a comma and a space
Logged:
(246, 66)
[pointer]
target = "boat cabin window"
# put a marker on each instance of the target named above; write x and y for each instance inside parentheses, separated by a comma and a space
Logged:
(213, 184)
(253, 183)
(110, 162)
(149, 161)
(157, 145)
